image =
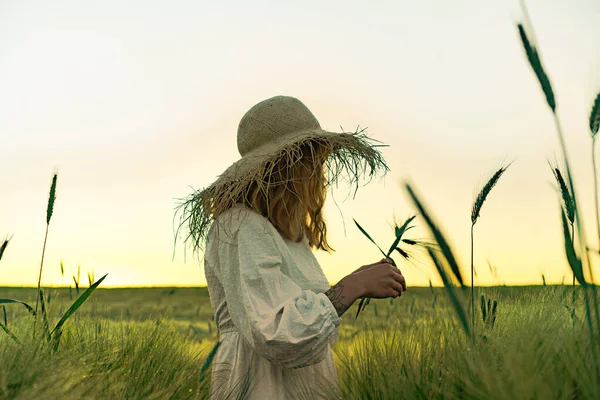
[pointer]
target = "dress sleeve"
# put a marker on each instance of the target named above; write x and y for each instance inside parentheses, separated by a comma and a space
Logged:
(287, 325)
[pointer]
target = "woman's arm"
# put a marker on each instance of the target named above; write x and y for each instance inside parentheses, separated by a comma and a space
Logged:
(344, 293)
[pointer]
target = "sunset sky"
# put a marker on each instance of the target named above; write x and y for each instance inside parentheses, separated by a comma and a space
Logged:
(135, 103)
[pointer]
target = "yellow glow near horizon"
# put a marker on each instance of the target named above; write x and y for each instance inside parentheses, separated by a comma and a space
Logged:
(134, 103)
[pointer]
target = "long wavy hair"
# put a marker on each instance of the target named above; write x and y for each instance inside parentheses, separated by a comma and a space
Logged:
(294, 196)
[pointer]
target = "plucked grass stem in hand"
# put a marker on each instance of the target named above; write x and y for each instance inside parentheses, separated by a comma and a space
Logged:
(399, 231)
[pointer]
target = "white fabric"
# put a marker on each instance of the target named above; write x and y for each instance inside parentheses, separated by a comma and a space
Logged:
(274, 319)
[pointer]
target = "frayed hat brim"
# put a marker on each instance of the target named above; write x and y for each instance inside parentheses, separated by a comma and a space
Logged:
(352, 153)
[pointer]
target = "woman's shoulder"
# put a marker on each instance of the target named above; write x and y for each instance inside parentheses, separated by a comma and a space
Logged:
(240, 217)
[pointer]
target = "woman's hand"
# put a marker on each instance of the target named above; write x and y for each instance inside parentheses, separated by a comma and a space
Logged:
(363, 283)
(380, 281)
(364, 267)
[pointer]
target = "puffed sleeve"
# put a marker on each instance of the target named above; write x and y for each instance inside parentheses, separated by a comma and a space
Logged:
(287, 325)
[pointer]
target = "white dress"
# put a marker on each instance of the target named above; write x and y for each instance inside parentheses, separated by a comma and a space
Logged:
(276, 325)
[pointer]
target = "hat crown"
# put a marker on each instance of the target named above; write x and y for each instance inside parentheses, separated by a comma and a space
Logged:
(273, 118)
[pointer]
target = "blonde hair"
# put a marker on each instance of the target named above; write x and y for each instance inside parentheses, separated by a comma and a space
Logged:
(264, 188)
(294, 197)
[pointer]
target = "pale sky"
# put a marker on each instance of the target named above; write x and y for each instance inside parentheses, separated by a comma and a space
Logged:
(136, 102)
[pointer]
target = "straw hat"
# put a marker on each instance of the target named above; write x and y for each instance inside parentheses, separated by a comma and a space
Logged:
(271, 132)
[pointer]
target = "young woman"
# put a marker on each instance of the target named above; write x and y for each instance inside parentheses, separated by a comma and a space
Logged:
(276, 313)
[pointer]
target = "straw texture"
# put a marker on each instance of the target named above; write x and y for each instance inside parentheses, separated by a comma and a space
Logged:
(271, 134)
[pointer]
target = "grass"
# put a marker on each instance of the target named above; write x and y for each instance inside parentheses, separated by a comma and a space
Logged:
(576, 262)
(151, 352)
(531, 352)
(103, 359)
(55, 334)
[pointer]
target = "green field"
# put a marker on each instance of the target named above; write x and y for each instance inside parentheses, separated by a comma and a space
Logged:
(152, 343)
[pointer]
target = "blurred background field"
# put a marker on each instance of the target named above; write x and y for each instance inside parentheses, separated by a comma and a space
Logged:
(152, 343)
(189, 309)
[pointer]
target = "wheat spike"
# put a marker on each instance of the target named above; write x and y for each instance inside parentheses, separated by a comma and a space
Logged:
(568, 202)
(51, 199)
(536, 64)
(595, 117)
(3, 247)
(483, 194)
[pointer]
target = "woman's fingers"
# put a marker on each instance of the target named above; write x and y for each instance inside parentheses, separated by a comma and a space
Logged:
(398, 277)
(397, 288)
(383, 260)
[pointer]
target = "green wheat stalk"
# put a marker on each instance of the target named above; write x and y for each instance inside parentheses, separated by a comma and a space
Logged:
(594, 126)
(475, 213)
(568, 207)
(537, 66)
(567, 196)
(49, 211)
(441, 265)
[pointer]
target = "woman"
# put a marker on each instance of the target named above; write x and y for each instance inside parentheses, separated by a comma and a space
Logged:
(276, 313)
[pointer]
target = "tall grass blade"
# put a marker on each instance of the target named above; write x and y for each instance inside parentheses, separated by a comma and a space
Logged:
(5, 317)
(574, 261)
(209, 360)
(368, 236)
(460, 311)
(75, 306)
(483, 308)
(76, 284)
(12, 301)
(8, 332)
(439, 237)
(44, 315)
